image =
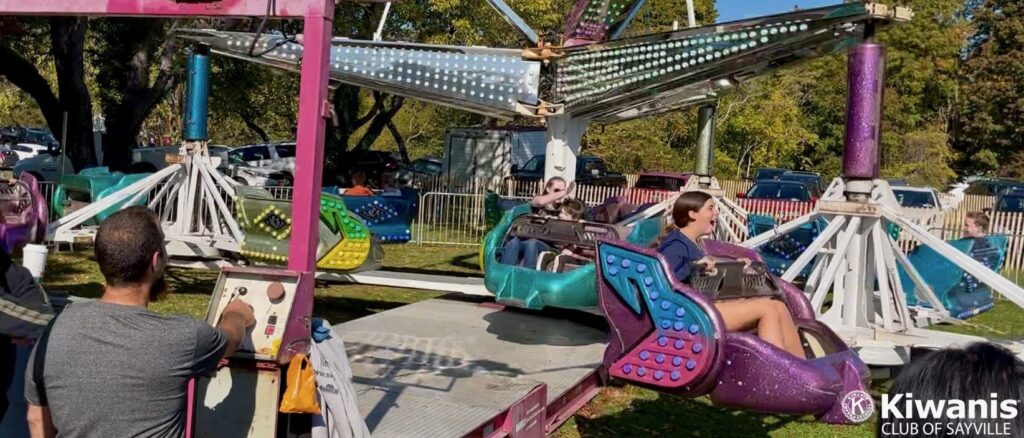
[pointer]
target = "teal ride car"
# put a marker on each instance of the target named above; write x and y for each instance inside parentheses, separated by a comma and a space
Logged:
(569, 285)
(91, 185)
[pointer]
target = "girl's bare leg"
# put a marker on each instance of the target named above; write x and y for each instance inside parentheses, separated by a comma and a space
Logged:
(771, 318)
(743, 315)
(789, 330)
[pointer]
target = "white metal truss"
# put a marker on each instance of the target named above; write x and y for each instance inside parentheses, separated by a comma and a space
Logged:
(856, 271)
(191, 196)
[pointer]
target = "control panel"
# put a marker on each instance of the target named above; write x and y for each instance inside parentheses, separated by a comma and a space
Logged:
(272, 295)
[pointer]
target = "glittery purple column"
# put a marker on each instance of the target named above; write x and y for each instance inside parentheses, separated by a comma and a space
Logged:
(864, 111)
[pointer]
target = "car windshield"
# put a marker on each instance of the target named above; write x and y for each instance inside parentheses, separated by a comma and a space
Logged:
(657, 183)
(1011, 204)
(768, 174)
(910, 198)
(535, 164)
(802, 177)
(428, 167)
(40, 137)
(592, 165)
(791, 192)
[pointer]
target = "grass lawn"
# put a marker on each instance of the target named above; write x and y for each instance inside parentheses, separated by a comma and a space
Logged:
(617, 411)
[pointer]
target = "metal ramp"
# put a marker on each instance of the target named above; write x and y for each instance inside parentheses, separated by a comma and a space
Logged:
(445, 368)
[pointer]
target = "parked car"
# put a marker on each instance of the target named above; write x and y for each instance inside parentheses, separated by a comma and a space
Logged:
(279, 157)
(806, 177)
(992, 186)
(419, 169)
(8, 158)
(378, 166)
(781, 190)
(666, 181)
(245, 174)
(917, 197)
(41, 136)
(1011, 201)
(28, 150)
(45, 167)
(589, 171)
(655, 186)
(764, 173)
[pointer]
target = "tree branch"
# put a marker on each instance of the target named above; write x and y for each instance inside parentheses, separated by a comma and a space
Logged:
(24, 75)
(378, 102)
(247, 118)
(402, 150)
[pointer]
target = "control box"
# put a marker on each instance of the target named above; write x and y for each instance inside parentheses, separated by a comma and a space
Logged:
(282, 318)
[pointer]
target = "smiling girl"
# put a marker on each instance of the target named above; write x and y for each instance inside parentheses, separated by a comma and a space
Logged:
(695, 217)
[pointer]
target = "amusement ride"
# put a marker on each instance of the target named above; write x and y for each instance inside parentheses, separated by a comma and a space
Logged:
(461, 367)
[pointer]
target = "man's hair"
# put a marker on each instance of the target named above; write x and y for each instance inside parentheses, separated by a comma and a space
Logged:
(980, 219)
(125, 244)
(972, 373)
(574, 208)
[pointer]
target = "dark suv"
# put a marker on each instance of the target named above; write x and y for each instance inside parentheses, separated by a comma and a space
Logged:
(784, 191)
(589, 171)
(806, 177)
(1011, 201)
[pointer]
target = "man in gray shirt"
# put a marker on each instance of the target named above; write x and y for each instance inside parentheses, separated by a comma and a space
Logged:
(112, 367)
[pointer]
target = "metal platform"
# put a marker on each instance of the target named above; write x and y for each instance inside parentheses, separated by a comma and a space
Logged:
(448, 368)
(441, 283)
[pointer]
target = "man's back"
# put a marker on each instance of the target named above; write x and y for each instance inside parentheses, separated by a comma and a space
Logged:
(113, 370)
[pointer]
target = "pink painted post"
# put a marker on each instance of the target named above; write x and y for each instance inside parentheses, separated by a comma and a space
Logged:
(309, 156)
(309, 152)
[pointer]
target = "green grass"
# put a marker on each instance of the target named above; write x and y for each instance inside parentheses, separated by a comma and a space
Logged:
(617, 411)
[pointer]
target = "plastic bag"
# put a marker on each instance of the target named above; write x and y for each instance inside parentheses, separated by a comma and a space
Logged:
(300, 392)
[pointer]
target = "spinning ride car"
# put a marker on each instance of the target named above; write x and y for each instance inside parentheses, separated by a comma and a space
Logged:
(91, 185)
(345, 243)
(23, 214)
(668, 336)
(962, 294)
(565, 282)
(389, 214)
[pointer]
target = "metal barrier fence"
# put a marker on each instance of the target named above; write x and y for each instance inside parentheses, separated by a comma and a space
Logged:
(450, 219)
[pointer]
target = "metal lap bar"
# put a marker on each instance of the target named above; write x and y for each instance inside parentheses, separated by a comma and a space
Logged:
(668, 70)
(493, 82)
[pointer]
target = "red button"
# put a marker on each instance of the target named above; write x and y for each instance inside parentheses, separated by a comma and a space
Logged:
(269, 331)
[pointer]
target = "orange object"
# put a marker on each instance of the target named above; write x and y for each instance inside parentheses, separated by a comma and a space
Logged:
(359, 191)
(300, 392)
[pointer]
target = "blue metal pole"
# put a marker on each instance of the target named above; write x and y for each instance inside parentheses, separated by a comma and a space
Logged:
(196, 92)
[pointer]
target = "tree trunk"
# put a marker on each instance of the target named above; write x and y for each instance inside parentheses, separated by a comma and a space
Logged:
(402, 149)
(125, 119)
(379, 122)
(67, 36)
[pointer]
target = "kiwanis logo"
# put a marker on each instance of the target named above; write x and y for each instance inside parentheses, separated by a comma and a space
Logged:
(858, 406)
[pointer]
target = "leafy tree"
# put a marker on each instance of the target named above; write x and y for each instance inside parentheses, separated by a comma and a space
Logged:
(919, 102)
(131, 76)
(992, 122)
